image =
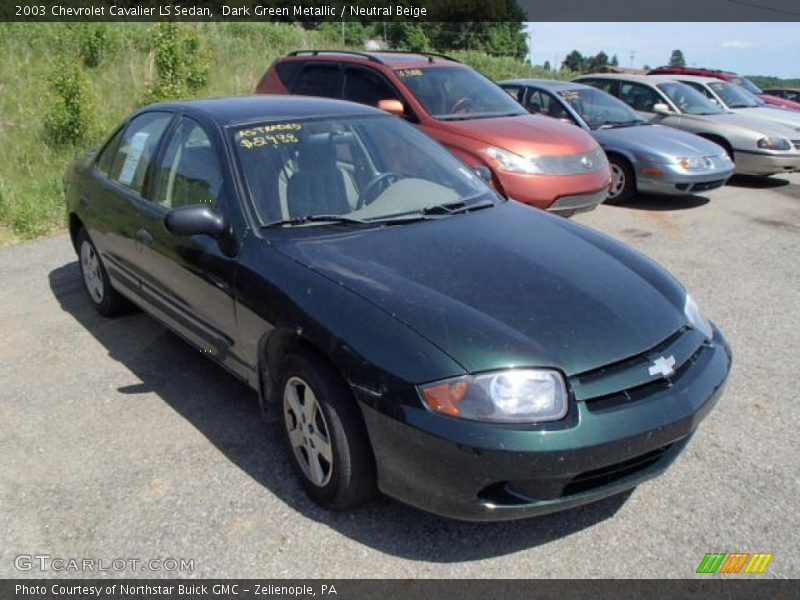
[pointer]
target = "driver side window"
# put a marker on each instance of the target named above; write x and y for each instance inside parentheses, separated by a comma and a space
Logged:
(638, 96)
(189, 172)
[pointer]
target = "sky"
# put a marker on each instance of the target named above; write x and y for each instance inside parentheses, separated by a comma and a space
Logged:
(746, 48)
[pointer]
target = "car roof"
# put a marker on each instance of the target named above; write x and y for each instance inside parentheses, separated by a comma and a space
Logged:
(229, 110)
(697, 78)
(550, 84)
(386, 58)
(625, 77)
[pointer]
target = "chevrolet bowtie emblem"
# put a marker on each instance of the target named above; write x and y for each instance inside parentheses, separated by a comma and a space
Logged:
(663, 366)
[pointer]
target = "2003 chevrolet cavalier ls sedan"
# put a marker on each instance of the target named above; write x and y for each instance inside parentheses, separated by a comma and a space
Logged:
(417, 332)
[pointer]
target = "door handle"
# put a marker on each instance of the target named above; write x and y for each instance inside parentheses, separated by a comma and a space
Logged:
(145, 237)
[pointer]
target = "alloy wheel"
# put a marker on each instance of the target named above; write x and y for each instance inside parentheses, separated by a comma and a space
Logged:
(92, 278)
(617, 181)
(308, 431)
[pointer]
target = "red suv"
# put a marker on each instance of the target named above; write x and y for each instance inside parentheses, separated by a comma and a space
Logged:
(533, 159)
(733, 78)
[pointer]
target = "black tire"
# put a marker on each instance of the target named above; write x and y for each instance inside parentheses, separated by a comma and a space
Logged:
(107, 301)
(351, 477)
(624, 190)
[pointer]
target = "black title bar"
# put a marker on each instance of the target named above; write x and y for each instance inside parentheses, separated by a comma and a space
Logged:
(401, 10)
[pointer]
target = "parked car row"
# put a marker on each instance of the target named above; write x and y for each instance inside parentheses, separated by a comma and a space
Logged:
(550, 165)
(415, 331)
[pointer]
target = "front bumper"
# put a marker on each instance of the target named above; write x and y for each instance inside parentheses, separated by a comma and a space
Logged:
(547, 191)
(677, 181)
(484, 472)
(755, 163)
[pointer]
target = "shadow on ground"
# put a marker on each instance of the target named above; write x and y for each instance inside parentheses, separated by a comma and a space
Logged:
(663, 203)
(225, 411)
(754, 182)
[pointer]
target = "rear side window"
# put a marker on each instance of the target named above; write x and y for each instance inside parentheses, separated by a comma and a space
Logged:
(136, 149)
(639, 97)
(607, 85)
(106, 158)
(318, 80)
(367, 87)
(288, 70)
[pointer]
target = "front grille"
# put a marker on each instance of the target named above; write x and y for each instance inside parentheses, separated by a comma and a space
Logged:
(630, 379)
(709, 185)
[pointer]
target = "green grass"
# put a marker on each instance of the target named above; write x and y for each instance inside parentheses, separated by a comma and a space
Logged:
(31, 166)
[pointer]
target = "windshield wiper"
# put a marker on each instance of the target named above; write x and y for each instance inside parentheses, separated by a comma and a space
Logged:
(616, 124)
(317, 219)
(454, 208)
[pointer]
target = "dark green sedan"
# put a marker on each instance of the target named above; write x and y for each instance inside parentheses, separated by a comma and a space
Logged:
(413, 331)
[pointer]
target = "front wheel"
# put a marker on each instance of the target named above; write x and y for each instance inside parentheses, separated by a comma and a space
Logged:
(325, 435)
(623, 181)
(105, 299)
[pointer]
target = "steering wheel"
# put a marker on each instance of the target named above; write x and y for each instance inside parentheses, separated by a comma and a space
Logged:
(381, 182)
(462, 104)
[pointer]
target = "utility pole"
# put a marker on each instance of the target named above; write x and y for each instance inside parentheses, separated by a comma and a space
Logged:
(633, 55)
(530, 44)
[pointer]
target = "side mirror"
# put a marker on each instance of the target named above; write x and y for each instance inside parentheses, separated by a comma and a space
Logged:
(661, 109)
(194, 219)
(484, 173)
(392, 106)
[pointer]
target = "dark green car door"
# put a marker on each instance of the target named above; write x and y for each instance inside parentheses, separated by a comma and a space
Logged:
(188, 280)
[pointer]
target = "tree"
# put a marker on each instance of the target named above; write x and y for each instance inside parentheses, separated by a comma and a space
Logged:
(573, 62)
(676, 59)
(546, 65)
(594, 63)
(614, 61)
(407, 35)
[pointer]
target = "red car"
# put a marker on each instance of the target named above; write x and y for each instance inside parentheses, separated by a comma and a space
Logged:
(533, 159)
(733, 78)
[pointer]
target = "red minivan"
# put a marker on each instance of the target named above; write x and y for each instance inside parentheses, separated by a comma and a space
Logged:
(533, 159)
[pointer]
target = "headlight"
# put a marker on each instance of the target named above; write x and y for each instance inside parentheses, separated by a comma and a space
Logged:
(569, 164)
(696, 318)
(695, 163)
(774, 143)
(512, 396)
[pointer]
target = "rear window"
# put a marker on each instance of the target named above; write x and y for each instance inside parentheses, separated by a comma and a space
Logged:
(287, 71)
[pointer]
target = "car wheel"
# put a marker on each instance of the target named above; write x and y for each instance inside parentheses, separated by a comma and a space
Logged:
(106, 300)
(623, 181)
(325, 435)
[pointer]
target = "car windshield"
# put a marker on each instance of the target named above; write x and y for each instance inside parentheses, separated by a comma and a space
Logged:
(600, 109)
(350, 170)
(747, 84)
(688, 100)
(733, 96)
(456, 93)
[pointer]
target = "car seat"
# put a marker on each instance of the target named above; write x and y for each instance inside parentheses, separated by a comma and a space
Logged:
(318, 185)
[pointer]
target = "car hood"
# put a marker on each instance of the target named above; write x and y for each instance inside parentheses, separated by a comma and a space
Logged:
(789, 118)
(526, 135)
(752, 124)
(504, 286)
(658, 140)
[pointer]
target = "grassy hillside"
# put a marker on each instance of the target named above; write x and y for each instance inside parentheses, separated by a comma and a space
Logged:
(32, 164)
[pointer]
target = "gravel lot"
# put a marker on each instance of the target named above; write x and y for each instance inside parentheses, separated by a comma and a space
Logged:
(118, 440)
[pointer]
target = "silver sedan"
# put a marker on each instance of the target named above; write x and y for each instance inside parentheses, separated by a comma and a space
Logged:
(758, 147)
(644, 157)
(738, 100)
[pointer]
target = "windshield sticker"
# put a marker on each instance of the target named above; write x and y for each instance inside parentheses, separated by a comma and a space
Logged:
(274, 140)
(254, 131)
(409, 73)
(134, 154)
(570, 95)
(265, 136)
